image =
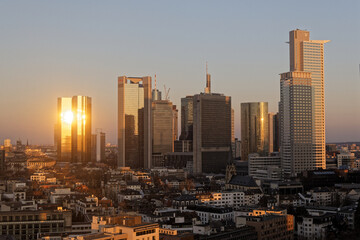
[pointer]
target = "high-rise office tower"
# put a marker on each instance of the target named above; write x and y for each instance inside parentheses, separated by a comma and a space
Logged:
(162, 127)
(134, 122)
(254, 129)
(93, 147)
(175, 123)
(306, 70)
(187, 118)
(73, 129)
(271, 131)
(296, 123)
(233, 132)
(276, 132)
(211, 132)
(99, 144)
(101, 155)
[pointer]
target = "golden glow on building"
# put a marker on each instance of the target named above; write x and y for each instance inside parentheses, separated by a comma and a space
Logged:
(73, 129)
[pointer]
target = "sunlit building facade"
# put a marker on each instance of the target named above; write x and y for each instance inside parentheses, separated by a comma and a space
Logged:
(302, 105)
(254, 129)
(134, 122)
(73, 129)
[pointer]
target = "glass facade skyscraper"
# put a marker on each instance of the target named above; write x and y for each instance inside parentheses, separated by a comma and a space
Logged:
(163, 127)
(73, 129)
(186, 118)
(254, 129)
(134, 122)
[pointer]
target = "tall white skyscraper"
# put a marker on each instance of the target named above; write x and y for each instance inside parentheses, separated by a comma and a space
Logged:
(302, 105)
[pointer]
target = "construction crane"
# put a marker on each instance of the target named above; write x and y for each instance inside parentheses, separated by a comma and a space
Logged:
(166, 91)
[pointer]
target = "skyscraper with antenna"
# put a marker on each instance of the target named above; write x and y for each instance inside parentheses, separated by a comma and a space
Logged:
(156, 93)
(208, 80)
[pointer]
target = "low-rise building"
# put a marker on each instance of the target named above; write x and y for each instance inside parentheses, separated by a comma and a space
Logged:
(271, 226)
(212, 213)
(25, 225)
(314, 227)
(233, 198)
(265, 167)
(129, 195)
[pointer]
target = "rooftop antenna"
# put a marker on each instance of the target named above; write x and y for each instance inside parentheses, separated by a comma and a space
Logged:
(208, 80)
(166, 92)
(155, 82)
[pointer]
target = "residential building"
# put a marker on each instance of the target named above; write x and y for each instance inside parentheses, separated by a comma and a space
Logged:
(134, 122)
(212, 213)
(314, 226)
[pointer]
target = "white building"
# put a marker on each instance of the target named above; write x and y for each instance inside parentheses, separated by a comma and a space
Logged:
(314, 227)
(233, 198)
(211, 213)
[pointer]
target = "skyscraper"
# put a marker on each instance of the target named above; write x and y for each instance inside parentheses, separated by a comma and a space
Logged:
(134, 122)
(175, 123)
(101, 154)
(187, 118)
(271, 131)
(73, 129)
(162, 127)
(211, 132)
(307, 72)
(93, 147)
(296, 123)
(254, 129)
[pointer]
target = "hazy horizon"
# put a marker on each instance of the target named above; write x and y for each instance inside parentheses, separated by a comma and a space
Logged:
(62, 49)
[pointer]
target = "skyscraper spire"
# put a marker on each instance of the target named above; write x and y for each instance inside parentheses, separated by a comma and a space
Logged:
(208, 80)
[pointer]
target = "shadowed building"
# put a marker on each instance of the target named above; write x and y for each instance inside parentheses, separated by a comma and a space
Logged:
(186, 118)
(211, 132)
(73, 129)
(163, 127)
(134, 122)
(2, 160)
(254, 129)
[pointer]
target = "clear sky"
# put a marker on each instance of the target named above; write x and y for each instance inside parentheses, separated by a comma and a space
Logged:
(51, 49)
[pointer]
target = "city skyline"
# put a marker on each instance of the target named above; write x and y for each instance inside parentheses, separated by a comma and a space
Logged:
(63, 66)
